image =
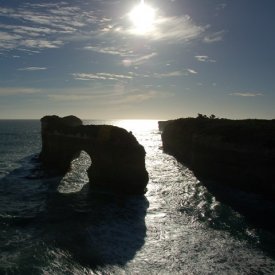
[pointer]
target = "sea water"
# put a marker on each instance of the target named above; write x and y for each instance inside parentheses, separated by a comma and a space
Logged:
(57, 225)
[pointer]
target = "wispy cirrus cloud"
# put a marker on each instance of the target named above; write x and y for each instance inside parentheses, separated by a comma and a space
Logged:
(214, 37)
(44, 26)
(129, 57)
(107, 96)
(41, 44)
(172, 29)
(100, 76)
(246, 94)
(138, 60)
(32, 69)
(178, 29)
(8, 91)
(40, 26)
(111, 99)
(204, 58)
(184, 72)
(112, 50)
(8, 41)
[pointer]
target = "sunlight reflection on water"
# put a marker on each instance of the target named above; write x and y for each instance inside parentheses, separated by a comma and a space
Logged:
(180, 221)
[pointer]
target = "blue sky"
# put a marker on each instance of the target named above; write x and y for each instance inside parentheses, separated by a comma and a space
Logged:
(87, 58)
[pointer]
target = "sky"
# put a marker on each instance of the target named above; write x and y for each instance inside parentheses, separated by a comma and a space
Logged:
(102, 59)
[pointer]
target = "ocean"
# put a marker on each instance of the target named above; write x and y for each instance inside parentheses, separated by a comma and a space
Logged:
(57, 225)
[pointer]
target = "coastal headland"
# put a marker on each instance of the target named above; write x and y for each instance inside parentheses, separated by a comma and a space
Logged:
(240, 153)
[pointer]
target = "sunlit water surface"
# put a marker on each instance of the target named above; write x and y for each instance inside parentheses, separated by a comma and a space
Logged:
(58, 225)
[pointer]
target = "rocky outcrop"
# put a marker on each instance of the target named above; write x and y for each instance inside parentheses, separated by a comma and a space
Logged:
(236, 152)
(118, 160)
(162, 124)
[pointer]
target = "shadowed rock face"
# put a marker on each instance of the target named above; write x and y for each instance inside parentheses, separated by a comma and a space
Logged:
(236, 152)
(118, 160)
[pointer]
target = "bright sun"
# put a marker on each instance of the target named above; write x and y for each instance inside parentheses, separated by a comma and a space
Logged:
(143, 18)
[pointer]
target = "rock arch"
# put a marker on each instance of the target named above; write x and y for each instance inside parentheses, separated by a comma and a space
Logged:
(118, 160)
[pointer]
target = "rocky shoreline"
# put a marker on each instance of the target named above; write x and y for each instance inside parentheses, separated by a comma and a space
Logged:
(240, 153)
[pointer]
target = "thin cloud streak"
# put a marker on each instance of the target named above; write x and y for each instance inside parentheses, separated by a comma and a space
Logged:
(185, 72)
(100, 76)
(112, 50)
(32, 69)
(108, 97)
(192, 71)
(214, 37)
(18, 91)
(246, 94)
(204, 58)
(178, 29)
(138, 60)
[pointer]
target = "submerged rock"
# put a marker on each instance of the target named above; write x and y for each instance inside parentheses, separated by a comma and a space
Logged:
(118, 160)
(236, 152)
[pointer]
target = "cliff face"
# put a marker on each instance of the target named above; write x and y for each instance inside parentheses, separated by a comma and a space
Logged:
(118, 160)
(236, 152)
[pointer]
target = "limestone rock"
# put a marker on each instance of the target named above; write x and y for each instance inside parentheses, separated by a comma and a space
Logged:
(236, 152)
(118, 160)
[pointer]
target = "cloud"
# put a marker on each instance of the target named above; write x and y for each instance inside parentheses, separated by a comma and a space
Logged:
(135, 96)
(40, 44)
(45, 25)
(8, 41)
(246, 94)
(18, 91)
(32, 69)
(172, 29)
(138, 60)
(40, 26)
(109, 96)
(110, 50)
(100, 76)
(12, 41)
(204, 58)
(185, 72)
(168, 74)
(177, 29)
(192, 71)
(214, 37)
(71, 97)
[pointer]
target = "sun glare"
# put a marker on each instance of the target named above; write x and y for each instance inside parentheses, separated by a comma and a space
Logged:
(143, 18)
(137, 125)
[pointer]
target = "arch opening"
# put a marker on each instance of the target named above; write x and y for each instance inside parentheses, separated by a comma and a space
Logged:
(77, 176)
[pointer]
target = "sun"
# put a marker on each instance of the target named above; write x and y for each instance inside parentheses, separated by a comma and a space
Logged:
(143, 18)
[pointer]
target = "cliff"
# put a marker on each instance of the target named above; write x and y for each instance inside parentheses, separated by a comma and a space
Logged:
(118, 160)
(235, 152)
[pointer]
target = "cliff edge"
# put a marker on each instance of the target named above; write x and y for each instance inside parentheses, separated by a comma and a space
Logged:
(236, 152)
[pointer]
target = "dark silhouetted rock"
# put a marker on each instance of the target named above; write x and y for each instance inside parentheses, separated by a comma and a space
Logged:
(236, 152)
(162, 124)
(118, 160)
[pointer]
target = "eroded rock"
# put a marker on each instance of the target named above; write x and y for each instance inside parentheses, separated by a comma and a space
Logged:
(118, 160)
(236, 152)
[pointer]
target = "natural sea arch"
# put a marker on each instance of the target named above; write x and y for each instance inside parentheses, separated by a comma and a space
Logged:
(118, 160)
(76, 177)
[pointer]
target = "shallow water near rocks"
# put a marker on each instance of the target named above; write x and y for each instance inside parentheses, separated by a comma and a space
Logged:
(60, 225)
